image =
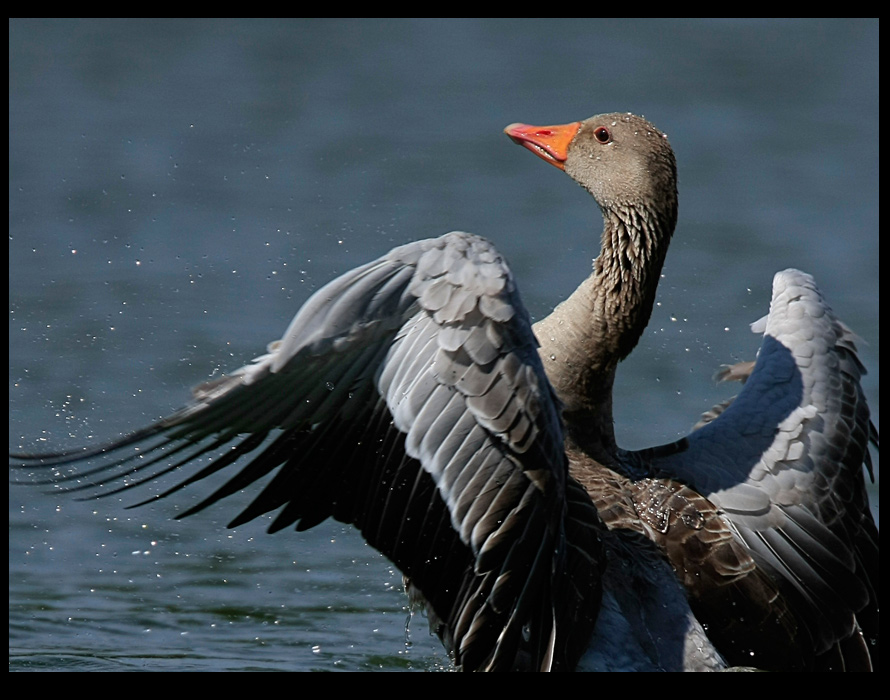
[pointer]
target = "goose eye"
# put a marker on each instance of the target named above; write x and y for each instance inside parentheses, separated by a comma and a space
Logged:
(602, 134)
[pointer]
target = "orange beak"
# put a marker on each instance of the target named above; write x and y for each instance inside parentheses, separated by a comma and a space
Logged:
(548, 142)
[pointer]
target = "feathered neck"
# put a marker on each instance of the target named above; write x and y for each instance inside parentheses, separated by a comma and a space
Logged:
(588, 334)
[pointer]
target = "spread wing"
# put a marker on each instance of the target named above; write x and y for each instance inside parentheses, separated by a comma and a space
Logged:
(783, 462)
(406, 397)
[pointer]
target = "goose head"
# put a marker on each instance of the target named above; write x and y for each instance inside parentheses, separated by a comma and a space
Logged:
(624, 161)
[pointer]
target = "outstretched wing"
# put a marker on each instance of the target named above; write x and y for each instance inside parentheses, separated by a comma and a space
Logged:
(406, 397)
(783, 462)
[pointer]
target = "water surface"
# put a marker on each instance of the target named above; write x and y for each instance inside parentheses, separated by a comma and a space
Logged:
(177, 190)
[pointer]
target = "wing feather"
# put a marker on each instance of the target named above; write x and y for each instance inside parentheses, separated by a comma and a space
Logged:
(406, 397)
(784, 462)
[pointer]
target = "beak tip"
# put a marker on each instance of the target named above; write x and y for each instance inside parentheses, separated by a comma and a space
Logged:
(513, 130)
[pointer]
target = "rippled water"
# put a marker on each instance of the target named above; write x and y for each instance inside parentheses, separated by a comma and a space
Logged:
(177, 189)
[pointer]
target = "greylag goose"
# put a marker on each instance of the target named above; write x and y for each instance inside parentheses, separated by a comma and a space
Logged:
(413, 398)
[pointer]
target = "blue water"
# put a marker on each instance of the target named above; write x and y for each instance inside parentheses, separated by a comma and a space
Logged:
(177, 189)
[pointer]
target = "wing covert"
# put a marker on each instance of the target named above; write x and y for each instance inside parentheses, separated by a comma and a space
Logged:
(783, 461)
(406, 397)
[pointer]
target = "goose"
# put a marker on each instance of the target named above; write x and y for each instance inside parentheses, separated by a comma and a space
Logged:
(413, 398)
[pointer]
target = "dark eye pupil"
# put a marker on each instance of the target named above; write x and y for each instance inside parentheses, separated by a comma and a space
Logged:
(602, 134)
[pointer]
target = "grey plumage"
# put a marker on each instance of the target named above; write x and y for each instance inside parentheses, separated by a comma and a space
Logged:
(784, 461)
(410, 397)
